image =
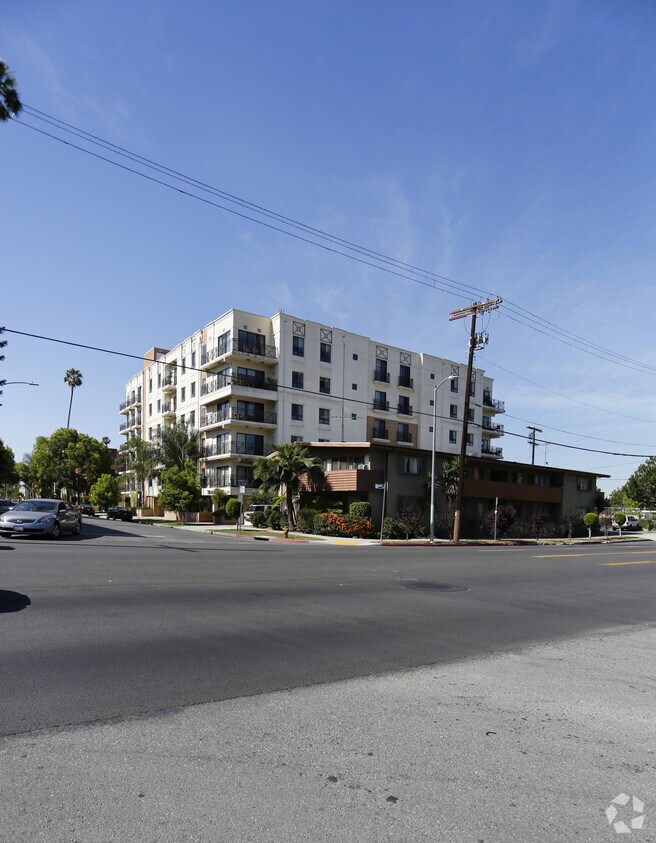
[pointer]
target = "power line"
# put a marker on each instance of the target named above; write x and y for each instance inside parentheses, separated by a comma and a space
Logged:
(295, 390)
(391, 265)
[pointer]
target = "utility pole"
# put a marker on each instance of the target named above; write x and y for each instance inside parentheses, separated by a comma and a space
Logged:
(531, 440)
(474, 310)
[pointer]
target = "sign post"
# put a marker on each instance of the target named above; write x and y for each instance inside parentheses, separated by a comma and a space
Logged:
(383, 487)
(242, 492)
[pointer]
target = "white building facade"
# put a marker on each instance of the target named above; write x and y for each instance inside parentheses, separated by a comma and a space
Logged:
(247, 382)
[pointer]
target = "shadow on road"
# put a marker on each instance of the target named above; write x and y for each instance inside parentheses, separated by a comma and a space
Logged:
(13, 601)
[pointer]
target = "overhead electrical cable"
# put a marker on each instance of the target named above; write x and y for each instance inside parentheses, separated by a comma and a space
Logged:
(295, 390)
(390, 264)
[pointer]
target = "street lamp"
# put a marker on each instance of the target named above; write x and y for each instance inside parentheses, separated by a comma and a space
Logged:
(8, 383)
(432, 495)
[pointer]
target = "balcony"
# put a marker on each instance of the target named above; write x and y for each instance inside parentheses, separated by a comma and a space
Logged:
(380, 433)
(123, 408)
(493, 404)
(123, 427)
(381, 377)
(382, 406)
(219, 382)
(170, 382)
(491, 428)
(225, 351)
(404, 409)
(226, 449)
(135, 422)
(169, 408)
(404, 438)
(233, 414)
(211, 480)
(488, 450)
(406, 383)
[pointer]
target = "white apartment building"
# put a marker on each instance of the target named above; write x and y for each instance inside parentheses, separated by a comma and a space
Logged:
(247, 382)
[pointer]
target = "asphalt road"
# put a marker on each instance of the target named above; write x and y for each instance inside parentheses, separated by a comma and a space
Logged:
(133, 619)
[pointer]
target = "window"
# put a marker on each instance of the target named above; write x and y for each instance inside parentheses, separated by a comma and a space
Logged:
(404, 376)
(470, 440)
(298, 346)
(324, 385)
(379, 431)
(223, 343)
(411, 465)
(184, 365)
(297, 412)
(403, 433)
(472, 388)
(249, 377)
(150, 385)
(325, 352)
(453, 437)
(380, 371)
(250, 343)
(182, 417)
(380, 400)
(159, 406)
(297, 380)
(183, 394)
(324, 415)
(159, 380)
(355, 356)
(249, 443)
(193, 359)
(354, 386)
(150, 434)
(453, 411)
(150, 409)
(583, 484)
(432, 377)
(470, 415)
(192, 418)
(454, 385)
(296, 438)
(250, 411)
(193, 389)
(404, 407)
(354, 416)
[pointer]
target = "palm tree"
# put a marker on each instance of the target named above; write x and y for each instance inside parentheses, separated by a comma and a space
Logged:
(73, 378)
(10, 104)
(283, 472)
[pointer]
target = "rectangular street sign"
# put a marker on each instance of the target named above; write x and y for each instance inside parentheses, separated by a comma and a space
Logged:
(380, 486)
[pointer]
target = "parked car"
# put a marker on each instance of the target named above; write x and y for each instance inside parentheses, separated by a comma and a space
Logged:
(6, 505)
(119, 513)
(41, 517)
(631, 523)
(86, 509)
(255, 507)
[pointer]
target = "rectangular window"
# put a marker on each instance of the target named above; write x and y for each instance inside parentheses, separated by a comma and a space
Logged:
(297, 412)
(150, 409)
(193, 359)
(411, 465)
(184, 365)
(472, 389)
(324, 415)
(250, 343)
(453, 411)
(324, 386)
(192, 418)
(159, 406)
(150, 434)
(193, 389)
(404, 377)
(159, 380)
(355, 356)
(403, 433)
(249, 377)
(354, 386)
(380, 371)
(298, 346)
(223, 344)
(379, 430)
(404, 407)
(470, 415)
(454, 385)
(297, 380)
(325, 352)
(183, 394)
(250, 411)
(470, 440)
(380, 400)
(150, 385)
(453, 437)
(296, 438)
(249, 443)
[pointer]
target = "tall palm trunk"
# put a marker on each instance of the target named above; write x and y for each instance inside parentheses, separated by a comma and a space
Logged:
(70, 405)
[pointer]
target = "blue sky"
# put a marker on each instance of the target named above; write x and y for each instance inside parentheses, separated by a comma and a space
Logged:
(507, 146)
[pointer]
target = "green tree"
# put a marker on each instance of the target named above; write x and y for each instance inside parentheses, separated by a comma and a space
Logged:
(105, 492)
(283, 471)
(74, 379)
(8, 473)
(68, 460)
(591, 521)
(616, 497)
(641, 485)
(141, 458)
(10, 104)
(233, 508)
(180, 491)
(448, 481)
(620, 519)
(179, 445)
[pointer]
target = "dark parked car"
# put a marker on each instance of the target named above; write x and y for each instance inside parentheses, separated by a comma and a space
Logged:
(86, 509)
(119, 513)
(6, 505)
(41, 517)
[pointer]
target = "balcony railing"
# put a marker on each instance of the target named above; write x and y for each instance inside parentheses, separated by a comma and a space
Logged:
(233, 414)
(219, 450)
(404, 409)
(213, 481)
(488, 401)
(123, 427)
(488, 451)
(123, 406)
(492, 428)
(170, 381)
(404, 437)
(168, 408)
(381, 405)
(408, 383)
(381, 377)
(268, 352)
(380, 433)
(222, 381)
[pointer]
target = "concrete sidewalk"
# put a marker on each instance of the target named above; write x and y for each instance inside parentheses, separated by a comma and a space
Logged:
(530, 745)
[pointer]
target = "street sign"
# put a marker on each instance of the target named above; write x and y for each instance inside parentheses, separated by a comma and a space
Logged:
(380, 486)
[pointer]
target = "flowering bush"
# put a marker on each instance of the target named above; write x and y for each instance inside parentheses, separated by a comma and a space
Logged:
(336, 524)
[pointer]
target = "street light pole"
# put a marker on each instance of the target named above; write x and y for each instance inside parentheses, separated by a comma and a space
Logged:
(432, 495)
(29, 383)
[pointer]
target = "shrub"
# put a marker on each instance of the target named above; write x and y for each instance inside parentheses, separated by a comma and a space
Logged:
(305, 520)
(591, 521)
(233, 508)
(539, 522)
(275, 519)
(393, 529)
(361, 508)
(335, 524)
(259, 518)
(506, 515)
